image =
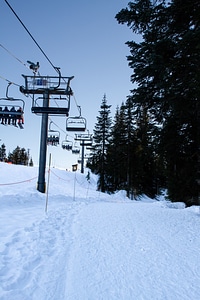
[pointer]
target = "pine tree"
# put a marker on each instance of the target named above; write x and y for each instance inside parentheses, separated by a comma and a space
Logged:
(19, 156)
(3, 152)
(166, 65)
(97, 161)
(121, 150)
(31, 162)
(117, 153)
(131, 128)
(145, 154)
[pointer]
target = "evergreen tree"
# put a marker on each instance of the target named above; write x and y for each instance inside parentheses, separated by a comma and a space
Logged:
(131, 128)
(31, 162)
(146, 178)
(97, 162)
(117, 153)
(19, 156)
(3, 152)
(166, 65)
(121, 150)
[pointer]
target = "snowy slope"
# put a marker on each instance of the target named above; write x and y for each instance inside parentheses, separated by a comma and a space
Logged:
(91, 245)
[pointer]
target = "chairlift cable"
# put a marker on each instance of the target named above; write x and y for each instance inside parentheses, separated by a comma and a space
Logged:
(55, 68)
(78, 106)
(75, 100)
(56, 125)
(9, 81)
(59, 128)
(14, 56)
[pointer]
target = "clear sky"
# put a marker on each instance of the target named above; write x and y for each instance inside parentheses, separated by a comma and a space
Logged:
(84, 39)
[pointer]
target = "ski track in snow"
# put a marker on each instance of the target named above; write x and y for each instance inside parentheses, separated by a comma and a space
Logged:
(42, 257)
(135, 259)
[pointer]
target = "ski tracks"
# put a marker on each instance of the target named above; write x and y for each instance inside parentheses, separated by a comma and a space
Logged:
(38, 254)
(102, 250)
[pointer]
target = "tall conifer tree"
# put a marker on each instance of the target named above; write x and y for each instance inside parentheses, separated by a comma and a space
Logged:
(117, 152)
(2, 152)
(166, 65)
(97, 162)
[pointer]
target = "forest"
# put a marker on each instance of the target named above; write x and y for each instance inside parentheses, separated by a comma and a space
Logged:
(19, 156)
(153, 142)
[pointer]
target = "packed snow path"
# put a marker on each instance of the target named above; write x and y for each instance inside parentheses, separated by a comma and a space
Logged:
(94, 246)
(103, 250)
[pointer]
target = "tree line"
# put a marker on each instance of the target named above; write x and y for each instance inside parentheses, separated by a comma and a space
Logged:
(19, 156)
(154, 140)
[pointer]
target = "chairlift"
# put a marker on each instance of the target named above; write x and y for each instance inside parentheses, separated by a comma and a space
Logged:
(77, 123)
(53, 137)
(11, 114)
(76, 149)
(67, 145)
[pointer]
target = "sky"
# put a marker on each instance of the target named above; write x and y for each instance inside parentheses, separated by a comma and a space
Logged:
(80, 244)
(84, 39)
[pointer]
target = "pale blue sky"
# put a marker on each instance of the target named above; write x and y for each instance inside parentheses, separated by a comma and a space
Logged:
(84, 39)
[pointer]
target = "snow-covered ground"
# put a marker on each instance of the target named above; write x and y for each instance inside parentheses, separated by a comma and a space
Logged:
(92, 246)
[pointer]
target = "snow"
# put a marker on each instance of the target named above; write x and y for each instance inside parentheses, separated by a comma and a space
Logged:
(90, 245)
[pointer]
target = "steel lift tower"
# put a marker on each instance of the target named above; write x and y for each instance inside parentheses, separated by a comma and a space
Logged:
(51, 88)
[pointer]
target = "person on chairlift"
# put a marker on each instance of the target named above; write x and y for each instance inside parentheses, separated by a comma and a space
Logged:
(5, 116)
(13, 116)
(20, 117)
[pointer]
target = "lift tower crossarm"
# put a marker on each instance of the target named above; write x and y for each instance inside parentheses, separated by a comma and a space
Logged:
(39, 84)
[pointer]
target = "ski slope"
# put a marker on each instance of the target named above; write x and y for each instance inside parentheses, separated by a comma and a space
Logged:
(90, 245)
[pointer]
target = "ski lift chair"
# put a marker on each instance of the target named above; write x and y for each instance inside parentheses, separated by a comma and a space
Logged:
(53, 137)
(11, 110)
(67, 145)
(76, 124)
(76, 149)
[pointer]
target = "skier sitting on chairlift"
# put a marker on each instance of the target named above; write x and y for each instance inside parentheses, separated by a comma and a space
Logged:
(5, 116)
(20, 117)
(13, 116)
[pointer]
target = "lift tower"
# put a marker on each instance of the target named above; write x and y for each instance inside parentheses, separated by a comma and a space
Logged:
(85, 140)
(47, 86)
